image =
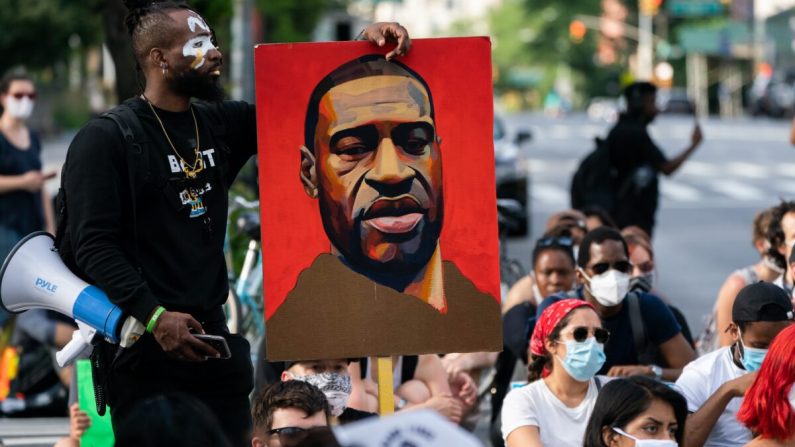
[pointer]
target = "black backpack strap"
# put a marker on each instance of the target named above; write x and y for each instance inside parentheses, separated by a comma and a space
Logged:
(598, 384)
(636, 323)
(133, 134)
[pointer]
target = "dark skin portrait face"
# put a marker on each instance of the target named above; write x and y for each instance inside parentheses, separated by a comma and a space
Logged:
(377, 172)
(193, 62)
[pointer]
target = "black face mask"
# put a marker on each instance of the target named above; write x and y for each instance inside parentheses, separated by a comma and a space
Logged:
(193, 84)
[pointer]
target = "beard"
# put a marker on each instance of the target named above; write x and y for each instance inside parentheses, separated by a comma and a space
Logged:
(193, 84)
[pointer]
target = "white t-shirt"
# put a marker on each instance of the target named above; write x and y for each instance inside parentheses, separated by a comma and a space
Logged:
(536, 405)
(699, 380)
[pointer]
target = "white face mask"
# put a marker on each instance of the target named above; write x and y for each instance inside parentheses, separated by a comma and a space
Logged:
(337, 388)
(19, 108)
(610, 288)
(647, 442)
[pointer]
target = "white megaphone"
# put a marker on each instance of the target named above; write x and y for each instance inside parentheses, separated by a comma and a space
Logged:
(34, 276)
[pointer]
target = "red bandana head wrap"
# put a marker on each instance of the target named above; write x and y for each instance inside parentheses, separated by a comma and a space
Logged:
(549, 319)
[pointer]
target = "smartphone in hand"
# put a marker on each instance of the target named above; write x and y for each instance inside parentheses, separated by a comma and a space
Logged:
(217, 342)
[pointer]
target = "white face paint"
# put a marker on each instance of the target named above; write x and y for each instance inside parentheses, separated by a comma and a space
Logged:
(199, 46)
(194, 21)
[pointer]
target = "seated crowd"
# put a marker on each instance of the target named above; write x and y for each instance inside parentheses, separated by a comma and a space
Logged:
(610, 361)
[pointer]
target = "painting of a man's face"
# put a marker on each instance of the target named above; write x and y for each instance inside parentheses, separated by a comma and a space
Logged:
(379, 172)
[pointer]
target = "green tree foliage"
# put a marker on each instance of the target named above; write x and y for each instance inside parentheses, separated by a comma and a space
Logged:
(36, 33)
(533, 36)
(290, 20)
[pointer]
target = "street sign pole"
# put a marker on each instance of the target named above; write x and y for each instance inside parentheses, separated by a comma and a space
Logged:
(645, 43)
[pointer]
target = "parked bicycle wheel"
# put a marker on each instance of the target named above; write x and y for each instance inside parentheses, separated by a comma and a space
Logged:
(233, 311)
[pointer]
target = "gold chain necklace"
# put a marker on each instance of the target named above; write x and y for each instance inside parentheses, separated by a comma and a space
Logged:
(190, 170)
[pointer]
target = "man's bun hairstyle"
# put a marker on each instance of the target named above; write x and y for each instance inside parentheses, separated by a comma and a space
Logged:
(149, 25)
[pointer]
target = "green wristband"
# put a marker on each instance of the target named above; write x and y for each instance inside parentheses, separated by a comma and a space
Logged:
(152, 321)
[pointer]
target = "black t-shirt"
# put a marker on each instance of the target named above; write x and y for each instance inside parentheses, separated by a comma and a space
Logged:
(631, 147)
(637, 161)
(180, 222)
(20, 210)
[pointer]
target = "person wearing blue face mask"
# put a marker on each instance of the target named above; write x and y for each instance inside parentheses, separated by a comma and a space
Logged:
(715, 383)
(566, 351)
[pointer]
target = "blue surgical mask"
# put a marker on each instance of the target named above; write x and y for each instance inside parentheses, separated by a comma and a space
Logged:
(583, 359)
(752, 357)
(647, 442)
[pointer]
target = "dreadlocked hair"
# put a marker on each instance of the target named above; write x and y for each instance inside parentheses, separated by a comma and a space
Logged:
(149, 25)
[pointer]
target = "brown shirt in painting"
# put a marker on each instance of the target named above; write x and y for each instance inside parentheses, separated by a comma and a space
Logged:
(334, 312)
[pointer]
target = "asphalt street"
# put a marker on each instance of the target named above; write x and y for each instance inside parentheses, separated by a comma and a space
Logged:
(703, 229)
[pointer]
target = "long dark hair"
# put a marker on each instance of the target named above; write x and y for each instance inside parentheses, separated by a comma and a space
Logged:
(623, 400)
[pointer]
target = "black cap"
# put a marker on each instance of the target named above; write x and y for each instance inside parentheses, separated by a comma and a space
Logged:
(762, 301)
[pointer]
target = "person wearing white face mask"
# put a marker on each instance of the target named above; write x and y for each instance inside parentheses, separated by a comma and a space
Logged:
(333, 379)
(647, 340)
(566, 351)
(24, 205)
(715, 384)
(637, 411)
(769, 405)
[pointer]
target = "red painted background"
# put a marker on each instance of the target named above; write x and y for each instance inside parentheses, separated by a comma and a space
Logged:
(458, 71)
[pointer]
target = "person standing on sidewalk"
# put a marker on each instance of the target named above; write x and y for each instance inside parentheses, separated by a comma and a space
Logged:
(24, 205)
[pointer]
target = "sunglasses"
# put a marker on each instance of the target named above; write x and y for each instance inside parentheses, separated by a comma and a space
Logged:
(581, 333)
(621, 266)
(21, 95)
(555, 241)
(290, 435)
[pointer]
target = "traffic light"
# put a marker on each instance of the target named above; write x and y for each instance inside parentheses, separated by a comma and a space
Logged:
(577, 31)
(650, 7)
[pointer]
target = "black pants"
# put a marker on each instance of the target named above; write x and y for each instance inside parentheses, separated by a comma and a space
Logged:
(144, 370)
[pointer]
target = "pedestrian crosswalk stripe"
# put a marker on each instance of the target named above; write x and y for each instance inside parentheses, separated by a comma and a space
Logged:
(749, 170)
(679, 191)
(550, 193)
(738, 190)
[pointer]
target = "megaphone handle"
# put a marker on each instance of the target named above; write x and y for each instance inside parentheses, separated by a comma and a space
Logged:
(72, 350)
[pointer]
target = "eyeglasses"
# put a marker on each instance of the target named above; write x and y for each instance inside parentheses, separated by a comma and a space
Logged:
(20, 95)
(549, 241)
(581, 333)
(621, 266)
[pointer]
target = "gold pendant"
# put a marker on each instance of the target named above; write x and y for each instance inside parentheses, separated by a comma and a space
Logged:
(198, 166)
